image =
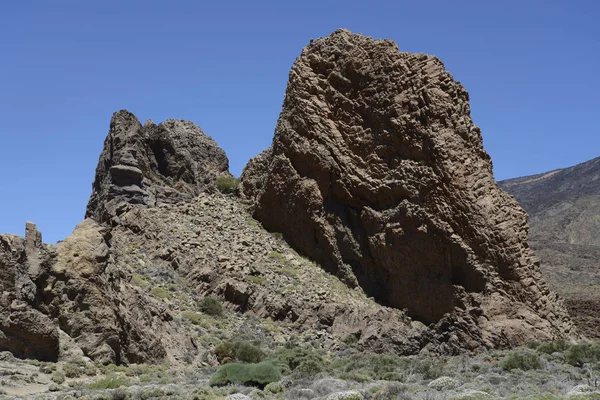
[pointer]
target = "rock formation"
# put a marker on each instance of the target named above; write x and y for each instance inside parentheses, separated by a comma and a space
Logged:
(152, 164)
(82, 286)
(23, 330)
(378, 173)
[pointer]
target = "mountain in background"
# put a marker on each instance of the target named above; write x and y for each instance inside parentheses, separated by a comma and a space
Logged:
(564, 216)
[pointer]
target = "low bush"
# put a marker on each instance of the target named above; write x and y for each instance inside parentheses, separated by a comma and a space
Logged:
(58, 377)
(274, 388)
(109, 382)
(258, 375)
(552, 347)
(583, 353)
(160, 293)
(227, 184)
(306, 361)
(239, 351)
(523, 360)
(211, 305)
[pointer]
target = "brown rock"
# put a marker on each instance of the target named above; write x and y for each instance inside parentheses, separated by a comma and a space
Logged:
(152, 164)
(378, 173)
(24, 331)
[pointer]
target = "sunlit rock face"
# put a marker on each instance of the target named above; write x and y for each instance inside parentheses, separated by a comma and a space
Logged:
(377, 172)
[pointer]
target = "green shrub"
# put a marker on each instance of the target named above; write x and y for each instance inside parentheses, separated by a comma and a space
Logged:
(429, 369)
(240, 351)
(119, 394)
(246, 374)
(274, 388)
(77, 369)
(160, 292)
(583, 353)
(109, 382)
(306, 361)
(553, 347)
(380, 367)
(227, 184)
(193, 317)
(58, 377)
(523, 360)
(211, 306)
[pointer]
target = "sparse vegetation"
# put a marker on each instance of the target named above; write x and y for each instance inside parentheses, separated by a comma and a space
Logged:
(523, 360)
(193, 317)
(239, 351)
(227, 184)
(160, 293)
(258, 375)
(110, 382)
(58, 377)
(211, 305)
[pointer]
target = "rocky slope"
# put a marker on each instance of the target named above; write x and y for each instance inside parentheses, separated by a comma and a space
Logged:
(564, 214)
(378, 173)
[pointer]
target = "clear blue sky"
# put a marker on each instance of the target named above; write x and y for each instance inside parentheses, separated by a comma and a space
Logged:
(532, 69)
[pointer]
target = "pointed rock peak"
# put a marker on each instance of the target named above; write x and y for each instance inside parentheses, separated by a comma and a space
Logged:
(377, 172)
(152, 164)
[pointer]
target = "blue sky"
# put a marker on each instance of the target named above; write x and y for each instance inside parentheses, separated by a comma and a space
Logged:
(532, 69)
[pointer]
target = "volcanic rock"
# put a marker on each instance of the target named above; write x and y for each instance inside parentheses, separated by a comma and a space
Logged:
(152, 164)
(377, 172)
(24, 331)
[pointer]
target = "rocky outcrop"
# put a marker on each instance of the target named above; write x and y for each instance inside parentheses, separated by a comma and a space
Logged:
(378, 173)
(80, 288)
(24, 331)
(152, 164)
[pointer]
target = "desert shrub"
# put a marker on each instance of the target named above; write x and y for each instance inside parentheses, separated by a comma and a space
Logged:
(119, 394)
(274, 387)
(109, 382)
(378, 367)
(193, 317)
(444, 383)
(77, 369)
(349, 395)
(391, 391)
(582, 353)
(552, 347)
(240, 351)
(227, 184)
(58, 377)
(211, 305)
(523, 360)
(246, 374)
(306, 361)
(351, 339)
(160, 292)
(429, 369)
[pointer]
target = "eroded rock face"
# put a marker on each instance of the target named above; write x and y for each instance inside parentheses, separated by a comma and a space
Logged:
(24, 331)
(152, 164)
(377, 172)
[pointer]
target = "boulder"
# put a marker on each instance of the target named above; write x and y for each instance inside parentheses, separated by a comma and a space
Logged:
(378, 173)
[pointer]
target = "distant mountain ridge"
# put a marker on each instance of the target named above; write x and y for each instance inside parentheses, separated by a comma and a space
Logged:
(564, 215)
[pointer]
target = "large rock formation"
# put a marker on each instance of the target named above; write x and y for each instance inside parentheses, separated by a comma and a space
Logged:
(82, 286)
(152, 164)
(377, 172)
